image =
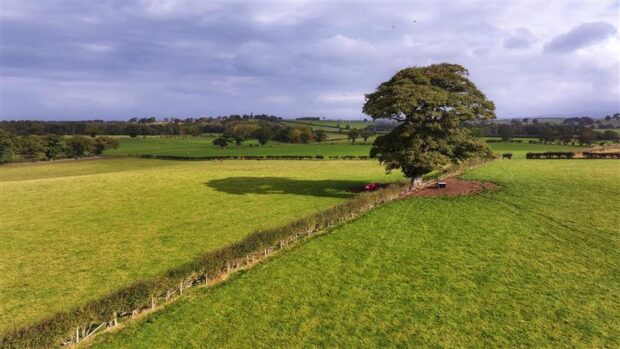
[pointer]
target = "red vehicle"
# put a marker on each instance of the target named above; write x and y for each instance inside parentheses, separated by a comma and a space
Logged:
(371, 187)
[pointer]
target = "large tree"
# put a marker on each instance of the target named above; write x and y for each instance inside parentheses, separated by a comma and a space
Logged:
(431, 104)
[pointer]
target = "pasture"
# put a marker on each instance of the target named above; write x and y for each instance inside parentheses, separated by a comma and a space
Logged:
(202, 146)
(532, 263)
(74, 231)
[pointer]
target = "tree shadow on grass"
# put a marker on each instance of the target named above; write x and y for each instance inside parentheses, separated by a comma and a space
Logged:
(282, 185)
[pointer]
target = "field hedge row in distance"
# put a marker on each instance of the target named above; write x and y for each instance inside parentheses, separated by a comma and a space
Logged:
(202, 147)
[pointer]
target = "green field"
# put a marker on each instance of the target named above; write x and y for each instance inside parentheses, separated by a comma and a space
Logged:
(202, 146)
(520, 149)
(329, 125)
(533, 263)
(78, 230)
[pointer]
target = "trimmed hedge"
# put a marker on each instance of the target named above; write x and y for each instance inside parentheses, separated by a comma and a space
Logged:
(53, 330)
(590, 155)
(551, 155)
(571, 155)
(503, 141)
(251, 157)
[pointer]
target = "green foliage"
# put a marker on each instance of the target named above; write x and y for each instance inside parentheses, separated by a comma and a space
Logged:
(320, 135)
(221, 141)
(353, 135)
(263, 135)
(506, 132)
(431, 104)
(78, 146)
(367, 133)
(103, 143)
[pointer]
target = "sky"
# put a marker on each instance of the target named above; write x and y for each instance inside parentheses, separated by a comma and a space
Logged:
(113, 60)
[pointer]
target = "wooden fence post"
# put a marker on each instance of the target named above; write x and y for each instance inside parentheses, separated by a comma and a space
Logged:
(152, 302)
(181, 288)
(77, 335)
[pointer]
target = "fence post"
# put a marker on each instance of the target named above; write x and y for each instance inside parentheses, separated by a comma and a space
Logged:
(152, 302)
(77, 335)
(181, 288)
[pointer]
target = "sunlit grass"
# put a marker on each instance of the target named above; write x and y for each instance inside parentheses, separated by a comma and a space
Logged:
(202, 146)
(74, 231)
(534, 263)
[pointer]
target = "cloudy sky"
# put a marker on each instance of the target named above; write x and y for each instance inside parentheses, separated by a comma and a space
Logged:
(118, 59)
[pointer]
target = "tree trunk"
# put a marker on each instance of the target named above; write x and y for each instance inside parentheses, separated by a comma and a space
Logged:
(415, 182)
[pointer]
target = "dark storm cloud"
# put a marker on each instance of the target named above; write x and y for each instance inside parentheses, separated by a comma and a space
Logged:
(113, 59)
(580, 36)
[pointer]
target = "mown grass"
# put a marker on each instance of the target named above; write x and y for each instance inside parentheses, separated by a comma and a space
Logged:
(519, 150)
(330, 124)
(202, 146)
(75, 231)
(534, 263)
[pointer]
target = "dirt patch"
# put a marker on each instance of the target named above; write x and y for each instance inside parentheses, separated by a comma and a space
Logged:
(454, 187)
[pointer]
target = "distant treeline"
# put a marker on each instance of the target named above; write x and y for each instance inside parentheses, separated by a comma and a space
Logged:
(555, 133)
(15, 148)
(132, 127)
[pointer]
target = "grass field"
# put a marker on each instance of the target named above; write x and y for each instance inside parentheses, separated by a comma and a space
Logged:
(202, 146)
(533, 263)
(329, 125)
(77, 230)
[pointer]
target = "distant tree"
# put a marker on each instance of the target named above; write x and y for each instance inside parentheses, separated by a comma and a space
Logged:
(263, 135)
(103, 143)
(610, 136)
(353, 135)
(133, 130)
(192, 130)
(32, 147)
(548, 133)
(367, 133)
(92, 130)
(320, 135)
(239, 140)
(506, 132)
(79, 146)
(526, 120)
(221, 142)
(430, 104)
(534, 121)
(608, 117)
(586, 136)
(54, 146)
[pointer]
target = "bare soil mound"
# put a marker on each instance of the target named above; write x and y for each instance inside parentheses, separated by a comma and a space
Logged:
(454, 187)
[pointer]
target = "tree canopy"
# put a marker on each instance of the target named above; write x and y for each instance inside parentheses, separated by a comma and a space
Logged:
(431, 105)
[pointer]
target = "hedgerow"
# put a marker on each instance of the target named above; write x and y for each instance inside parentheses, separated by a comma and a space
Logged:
(252, 157)
(551, 155)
